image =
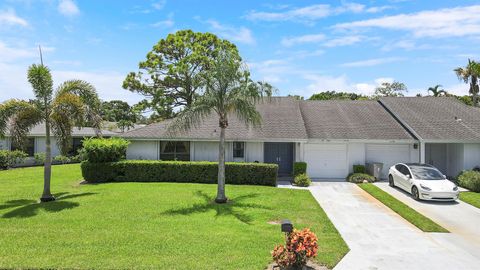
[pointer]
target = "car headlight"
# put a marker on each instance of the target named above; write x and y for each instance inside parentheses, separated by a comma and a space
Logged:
(425, 187)
(455, 188)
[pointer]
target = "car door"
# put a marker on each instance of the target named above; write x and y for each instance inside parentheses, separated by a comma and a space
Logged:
(397, 175)
(402, 176)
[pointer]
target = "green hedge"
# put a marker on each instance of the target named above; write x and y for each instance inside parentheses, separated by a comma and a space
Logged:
(179, 171)
(470, 180)
(359, 169)
(359, 178)
(299, 168)
(302, 180)
(10, 158)
(104, 150)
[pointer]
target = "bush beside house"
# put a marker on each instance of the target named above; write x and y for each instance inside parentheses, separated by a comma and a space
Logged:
(302, 180)
(10, 158)
(299, 168)
(360, 178)
(359, 169)
(179, 171)
(470, 180)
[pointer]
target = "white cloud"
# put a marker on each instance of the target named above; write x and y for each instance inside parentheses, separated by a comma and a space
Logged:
(68, 8)
(11, 54)
(309, 14)
(372, 62)
(343, 41)
(236, 34)
(320, 83)
(313, 38)
(447, 22)
(167, 23)
(158, 5)
(8, 17)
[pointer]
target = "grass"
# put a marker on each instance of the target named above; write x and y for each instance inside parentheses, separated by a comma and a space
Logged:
(470, 197)
(149, 225)
(420, 221)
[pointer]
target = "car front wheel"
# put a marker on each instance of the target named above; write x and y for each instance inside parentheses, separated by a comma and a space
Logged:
(415, 193)
(390, 181)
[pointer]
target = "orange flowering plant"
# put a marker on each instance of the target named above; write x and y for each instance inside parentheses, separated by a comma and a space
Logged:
(300, 247)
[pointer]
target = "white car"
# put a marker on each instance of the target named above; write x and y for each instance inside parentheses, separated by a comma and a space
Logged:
(423, 181)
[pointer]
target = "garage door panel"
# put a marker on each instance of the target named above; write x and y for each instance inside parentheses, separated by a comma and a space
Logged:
(388, 154)
(326, 160)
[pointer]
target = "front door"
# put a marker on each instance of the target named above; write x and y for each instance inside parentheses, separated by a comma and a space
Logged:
(281, 154)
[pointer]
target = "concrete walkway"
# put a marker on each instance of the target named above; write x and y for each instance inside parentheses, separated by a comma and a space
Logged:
(380, 239)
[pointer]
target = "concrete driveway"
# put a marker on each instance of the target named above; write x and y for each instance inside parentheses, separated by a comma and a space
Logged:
(380, 239)
(461, 219)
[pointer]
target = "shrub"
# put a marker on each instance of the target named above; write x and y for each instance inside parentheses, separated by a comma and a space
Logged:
(10, 158)
(360, 177)
(179, 171)
(470, 180)
(359, 169)
(62, 159)
(302, 180)
(39, 158)
(299, 168)
(300, 247)
(105, 150)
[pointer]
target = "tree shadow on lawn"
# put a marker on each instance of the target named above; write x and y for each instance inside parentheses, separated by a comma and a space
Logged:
(234, 207)
(29, 208)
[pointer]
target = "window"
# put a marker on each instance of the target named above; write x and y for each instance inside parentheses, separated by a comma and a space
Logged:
(426, 173)
(29, 147)
(238, 149)
(175, 150)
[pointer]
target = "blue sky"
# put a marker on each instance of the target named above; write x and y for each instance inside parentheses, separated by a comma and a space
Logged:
(301, 47)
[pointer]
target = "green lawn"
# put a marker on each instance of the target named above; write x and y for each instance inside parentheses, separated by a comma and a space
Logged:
(472, 198)
(149, 225)
(422, 222)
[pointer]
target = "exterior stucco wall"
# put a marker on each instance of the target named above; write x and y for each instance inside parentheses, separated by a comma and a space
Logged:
(208, 151)
(254, 151)
(143, 150)
(471, 155)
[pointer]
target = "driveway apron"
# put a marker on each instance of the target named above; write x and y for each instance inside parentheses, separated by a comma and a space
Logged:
(380, 239)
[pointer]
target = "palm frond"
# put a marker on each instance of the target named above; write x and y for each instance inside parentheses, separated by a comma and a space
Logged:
(91, 103)
(41, 80)
(67, 110)
(191, 117)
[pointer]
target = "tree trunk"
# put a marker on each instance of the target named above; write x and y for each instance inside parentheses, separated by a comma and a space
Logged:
(221, 198)
(47, 170)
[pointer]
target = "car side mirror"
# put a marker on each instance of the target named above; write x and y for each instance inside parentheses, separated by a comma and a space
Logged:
(444, 176)
(408, 176)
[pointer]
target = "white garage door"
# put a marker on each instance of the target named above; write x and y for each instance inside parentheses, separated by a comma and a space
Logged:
(326, 160)
(388, 154)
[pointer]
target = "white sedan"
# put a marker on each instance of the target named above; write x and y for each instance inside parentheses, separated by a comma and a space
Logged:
(423, 181)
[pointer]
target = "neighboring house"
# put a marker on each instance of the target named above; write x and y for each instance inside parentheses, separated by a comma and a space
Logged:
(330, 136)
(36, 140)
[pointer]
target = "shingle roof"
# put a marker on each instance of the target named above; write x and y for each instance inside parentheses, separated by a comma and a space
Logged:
(281, 119)
(437, 118)
(346, 119)
(39, 130)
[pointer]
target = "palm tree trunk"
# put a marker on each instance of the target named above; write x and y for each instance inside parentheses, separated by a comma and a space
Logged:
(47, 171)
(221, 198)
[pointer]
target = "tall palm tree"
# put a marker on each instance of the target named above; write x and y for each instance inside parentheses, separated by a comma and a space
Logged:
(228, 91)
(470, 74)
(437, 92)
(74, 103)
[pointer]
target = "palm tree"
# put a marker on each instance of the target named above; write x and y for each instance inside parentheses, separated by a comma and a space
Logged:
(470, 74)
(74, 103)
(437, 92)
(228, 90)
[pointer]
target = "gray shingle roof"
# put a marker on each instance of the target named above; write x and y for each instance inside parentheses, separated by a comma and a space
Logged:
(346, 119)
(281, 119)
(39, 130)
(433, 118)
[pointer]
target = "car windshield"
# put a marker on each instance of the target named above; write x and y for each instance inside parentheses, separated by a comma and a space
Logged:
(426, 173)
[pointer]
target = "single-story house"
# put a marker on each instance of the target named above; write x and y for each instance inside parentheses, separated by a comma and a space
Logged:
(36, 140)
(331, 136)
